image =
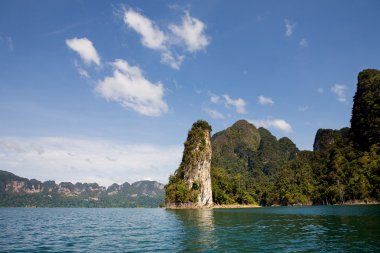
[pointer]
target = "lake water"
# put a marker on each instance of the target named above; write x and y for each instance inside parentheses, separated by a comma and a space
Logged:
(274, 229)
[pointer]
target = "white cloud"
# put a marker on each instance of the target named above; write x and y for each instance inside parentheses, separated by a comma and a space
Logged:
(239, 104)
(340, 92)
(151, 35)
(191, 32)
(289, 28)
(130, 89)
(173, 61)
(87, 160)
(82, 72)
(304, 43)
(278, 124)
(214, 99)
(265, 100)
(320, 90)
(214, 113)
(85, 49)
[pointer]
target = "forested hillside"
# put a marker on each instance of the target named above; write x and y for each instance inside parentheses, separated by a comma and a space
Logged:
(250, 165)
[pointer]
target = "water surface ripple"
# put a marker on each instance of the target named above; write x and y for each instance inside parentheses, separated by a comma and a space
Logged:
(280, 229)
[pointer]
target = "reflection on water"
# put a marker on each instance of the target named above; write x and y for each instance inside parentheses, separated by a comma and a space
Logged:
(289, 229)
(283, 229)
(198, 225)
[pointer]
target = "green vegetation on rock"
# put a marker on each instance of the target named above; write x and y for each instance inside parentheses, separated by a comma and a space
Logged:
(250, 164)
(189, 180)
(365, 121)
(177, 191)
(244, 163)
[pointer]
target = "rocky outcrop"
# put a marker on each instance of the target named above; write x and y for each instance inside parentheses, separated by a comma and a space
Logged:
(197, 172)
(325, 139)
(190, 186)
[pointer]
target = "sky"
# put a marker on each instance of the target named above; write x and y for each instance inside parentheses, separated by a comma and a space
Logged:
(106, 91)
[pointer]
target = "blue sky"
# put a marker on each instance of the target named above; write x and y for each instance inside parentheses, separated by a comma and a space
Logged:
(106, 91)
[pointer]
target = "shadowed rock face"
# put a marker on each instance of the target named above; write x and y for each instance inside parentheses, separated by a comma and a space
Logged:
(325, 139)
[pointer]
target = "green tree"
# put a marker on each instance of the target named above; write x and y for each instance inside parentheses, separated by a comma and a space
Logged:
(365, 121)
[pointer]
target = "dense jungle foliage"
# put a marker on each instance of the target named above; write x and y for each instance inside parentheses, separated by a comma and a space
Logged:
(250, 165)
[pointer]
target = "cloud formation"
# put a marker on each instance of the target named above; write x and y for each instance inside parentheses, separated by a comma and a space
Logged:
(87, 160)
(238, 103)
(265, 100)
(151, 35)
(174, 61)
(82, 72)
(278, 124)
(340, 92)
(132, 90)
(190, 34)
(85, 49)
(289, 27)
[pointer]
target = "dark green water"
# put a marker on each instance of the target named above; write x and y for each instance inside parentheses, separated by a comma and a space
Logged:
(281, 229)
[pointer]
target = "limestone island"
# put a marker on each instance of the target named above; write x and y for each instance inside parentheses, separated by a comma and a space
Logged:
(190, 186)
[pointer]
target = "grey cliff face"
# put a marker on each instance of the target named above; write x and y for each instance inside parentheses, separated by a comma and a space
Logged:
(198, 172)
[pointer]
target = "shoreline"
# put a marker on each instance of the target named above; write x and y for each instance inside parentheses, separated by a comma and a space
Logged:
(234, 206)
(214, 206)
(240, 206)
(358, 202)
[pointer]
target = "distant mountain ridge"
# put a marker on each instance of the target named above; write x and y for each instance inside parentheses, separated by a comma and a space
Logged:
(19, 191)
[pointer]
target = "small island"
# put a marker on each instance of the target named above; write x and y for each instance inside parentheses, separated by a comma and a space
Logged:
(190, 186)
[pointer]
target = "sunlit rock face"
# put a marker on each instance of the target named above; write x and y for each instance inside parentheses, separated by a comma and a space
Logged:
(190, 186)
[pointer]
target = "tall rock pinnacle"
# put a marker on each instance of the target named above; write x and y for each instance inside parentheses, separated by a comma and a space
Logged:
(190, 186)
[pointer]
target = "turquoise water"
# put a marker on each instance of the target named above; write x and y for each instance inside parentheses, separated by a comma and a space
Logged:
(280, 229)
